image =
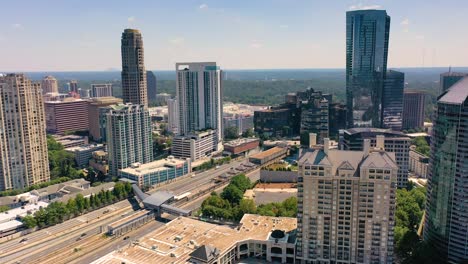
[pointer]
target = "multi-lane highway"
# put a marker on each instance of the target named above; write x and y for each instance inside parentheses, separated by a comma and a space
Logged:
(62, 237)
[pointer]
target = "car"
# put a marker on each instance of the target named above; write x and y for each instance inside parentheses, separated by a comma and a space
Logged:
(217, 166)
(84, 234)
(78, 239)
(126, 237)
(24, 240)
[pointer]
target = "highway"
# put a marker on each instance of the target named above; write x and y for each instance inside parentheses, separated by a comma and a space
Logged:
(39, 245)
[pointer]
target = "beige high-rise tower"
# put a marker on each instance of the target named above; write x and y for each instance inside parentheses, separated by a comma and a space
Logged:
(133, 68)
(49, 85)
(346, 205)
(23, 142)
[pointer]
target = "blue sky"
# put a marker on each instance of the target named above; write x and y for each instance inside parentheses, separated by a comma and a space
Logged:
(71, 35)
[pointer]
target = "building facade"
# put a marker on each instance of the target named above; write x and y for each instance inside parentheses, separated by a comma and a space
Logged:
(83, 154)
(240, 121)
(151, 84)
(396, 142)
(418, 164)
(133, 68)
(446, 218)
(23, 143)
(73, 86)
(129, 136)
(447, 79)
(95, 116)
(173, 116)
(49, 85)
(69, 114)
(314, 114)
(346, 205)
(196, 146)
(392, 100)
(413, 109)
(101, 90)
(367, 36)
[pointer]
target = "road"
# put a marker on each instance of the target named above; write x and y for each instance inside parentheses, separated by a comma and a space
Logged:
(56, 238)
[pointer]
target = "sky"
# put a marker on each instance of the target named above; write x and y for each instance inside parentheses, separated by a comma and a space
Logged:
(84, 35)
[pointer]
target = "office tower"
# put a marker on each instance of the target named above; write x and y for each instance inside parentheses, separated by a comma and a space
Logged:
(199, 95)
(173, 116)
(392, 100)
(446, 210)
(346, 205)
(337, 118)
(413, 109)
(151, 83)
(394, 141)
(49, 85)
(314, 114)
(133, 68)
(23, 143)
(162, 98)
(129, 136)
(447, 79)
(367, 34)
(84, 93)
(67, 115)
(101, 90)
(94, 108)
(73, 86)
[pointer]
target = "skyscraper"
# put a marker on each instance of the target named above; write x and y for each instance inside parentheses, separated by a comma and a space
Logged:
(346, 205)
(413, 109)
(133, 68)
(73, 86)
(173, 116)
(67, 115)
(23, 144)
(151, 83)
(94, 115)
(129, 136)
(392, 100)
(101, 90)
(367, 34)
(199, 96)
(447, 79)
(314, 113)
(447, 210)
(49, 85)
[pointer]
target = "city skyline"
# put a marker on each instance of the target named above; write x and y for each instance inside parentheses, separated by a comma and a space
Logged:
(280, 36)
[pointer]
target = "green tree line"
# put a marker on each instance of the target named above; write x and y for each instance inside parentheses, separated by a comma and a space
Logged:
(57, 212)
(61, 162)
(212, 163)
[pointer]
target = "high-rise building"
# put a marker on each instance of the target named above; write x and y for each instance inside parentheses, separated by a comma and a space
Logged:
(23, 144)
(129, 136)
(446, 210)
(413, 109)
(346, 205)
(84, 93)
(392, 100)
(101, 90)
(394, 141)
(94, 109)
(151, 83)
(49, 85)
(447, 79)
(133, 68)
(67, 115)
(314, 113)
(173, 116)
(73, 86)
(199, 96)
(337, 118)
(367, 35)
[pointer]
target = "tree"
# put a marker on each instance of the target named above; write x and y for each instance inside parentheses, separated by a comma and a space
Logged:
(246, 206)
(29, 221)
(4, 208)
(232, 194)
(248, 133)
(80, 203)
(241, 182)
(422, 146)
(231, 132)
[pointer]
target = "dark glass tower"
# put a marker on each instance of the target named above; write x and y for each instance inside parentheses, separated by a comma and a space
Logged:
(446, 221)
(133, 68)
(392, 100)
(367, 33)
(151, 83)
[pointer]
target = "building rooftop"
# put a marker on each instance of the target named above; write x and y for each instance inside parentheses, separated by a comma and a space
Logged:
(85, 147)
(358, 130)
(154, 166)
(183, 238)
(457, 93)
(158, 198)
(240, 141)
(11, 214)
(267, 153)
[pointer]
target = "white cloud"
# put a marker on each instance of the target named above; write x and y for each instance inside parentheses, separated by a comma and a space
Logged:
(177, 41)
(17, 26)
(131, 19)
(256, 44)
(284, 26)
(203, 6)
(405, 22)
(360, 6)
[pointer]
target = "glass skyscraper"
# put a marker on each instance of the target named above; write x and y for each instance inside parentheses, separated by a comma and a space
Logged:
(447, 209)
(392, 100)
(367, 33)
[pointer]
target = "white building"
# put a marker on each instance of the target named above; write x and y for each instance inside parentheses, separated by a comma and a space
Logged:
(101, 90)
(83, 154)
(196, 146)
(173, 116)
